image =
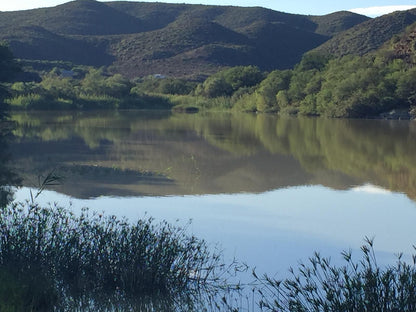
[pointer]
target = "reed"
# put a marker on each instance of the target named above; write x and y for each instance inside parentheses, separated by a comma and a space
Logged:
(357, 286)
(102, 256)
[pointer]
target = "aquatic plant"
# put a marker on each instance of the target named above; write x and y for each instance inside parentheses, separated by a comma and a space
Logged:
(63, 259)
(358, 286)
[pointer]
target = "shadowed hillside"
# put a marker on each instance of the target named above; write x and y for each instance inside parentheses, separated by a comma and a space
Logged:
(370, 35)
(179, 40)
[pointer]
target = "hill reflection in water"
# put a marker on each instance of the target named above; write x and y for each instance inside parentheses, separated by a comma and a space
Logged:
(147, 153)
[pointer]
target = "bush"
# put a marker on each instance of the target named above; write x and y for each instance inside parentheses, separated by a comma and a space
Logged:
(226, 82)
(91, 101)
(29, 101)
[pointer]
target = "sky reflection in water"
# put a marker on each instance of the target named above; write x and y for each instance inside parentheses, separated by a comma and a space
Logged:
(274, 230)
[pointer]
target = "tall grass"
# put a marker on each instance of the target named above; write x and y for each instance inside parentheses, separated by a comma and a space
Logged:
(84, 259)
(203, 103)
(35, 101)
(54, 260)
(361, 286)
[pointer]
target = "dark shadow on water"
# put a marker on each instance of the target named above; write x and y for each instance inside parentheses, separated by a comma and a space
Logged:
(8, 177)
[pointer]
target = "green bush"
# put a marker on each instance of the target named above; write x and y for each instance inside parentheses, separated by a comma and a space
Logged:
(226, 82)
(28, 101)
(93, 101)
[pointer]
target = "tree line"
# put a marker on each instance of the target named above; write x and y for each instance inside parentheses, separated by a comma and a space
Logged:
(350, 86)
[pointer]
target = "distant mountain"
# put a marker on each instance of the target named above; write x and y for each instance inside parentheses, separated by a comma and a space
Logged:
(369, 35)
(180, 40)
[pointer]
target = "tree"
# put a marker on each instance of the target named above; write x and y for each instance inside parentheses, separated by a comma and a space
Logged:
(8, 65)
(313, 60)
(94, 82)
(406, 87)
(57, 86)
(269, 87)
(117, 86)
(228, 81)
(215, 87)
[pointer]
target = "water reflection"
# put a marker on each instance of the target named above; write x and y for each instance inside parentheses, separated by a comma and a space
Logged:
(8, 178)
(52, 259)
(138, 153)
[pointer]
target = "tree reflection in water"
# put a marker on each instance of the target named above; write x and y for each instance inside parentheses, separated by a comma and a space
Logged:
(137, 153)
(8, 178)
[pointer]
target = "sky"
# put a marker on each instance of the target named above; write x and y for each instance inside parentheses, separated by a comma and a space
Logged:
(370, 8)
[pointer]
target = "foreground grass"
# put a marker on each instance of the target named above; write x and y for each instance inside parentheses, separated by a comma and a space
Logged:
(54, 260)
(51, 259)
(358, 286)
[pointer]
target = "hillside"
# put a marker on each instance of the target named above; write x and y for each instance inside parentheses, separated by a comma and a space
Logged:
(181, 40)
(368, 36)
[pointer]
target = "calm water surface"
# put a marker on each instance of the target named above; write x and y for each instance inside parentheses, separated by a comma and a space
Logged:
(267, 190)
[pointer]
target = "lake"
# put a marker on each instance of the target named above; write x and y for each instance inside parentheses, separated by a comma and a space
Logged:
(267, 190)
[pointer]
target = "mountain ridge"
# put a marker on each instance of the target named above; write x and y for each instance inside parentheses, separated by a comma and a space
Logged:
(181, 40)
(369, 35)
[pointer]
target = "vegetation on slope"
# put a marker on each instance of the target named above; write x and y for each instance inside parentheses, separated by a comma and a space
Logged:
(334, 23)
(205, 39)
(350, 86)
(177, 40)
(369, 35)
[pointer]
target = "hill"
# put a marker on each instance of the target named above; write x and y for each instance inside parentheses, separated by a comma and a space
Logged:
(402, 46)
(369, 35)
(181, 40)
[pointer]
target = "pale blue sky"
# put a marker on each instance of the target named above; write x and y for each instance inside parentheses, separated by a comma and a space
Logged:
(318, 7)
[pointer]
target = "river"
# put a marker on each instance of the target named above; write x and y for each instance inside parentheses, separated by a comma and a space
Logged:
(266, 190)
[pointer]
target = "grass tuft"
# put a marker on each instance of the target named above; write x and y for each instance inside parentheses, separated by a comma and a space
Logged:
(361, 286)
(88, 258)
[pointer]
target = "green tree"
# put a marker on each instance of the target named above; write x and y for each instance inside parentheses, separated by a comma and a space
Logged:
(94, 82)
(242, 76)
(175, 86)
(57, 86)
(215, 87)
(313, 60)
(117, 86)
(8, 65)
(406, 87)
(269, 87)
(228, 81)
